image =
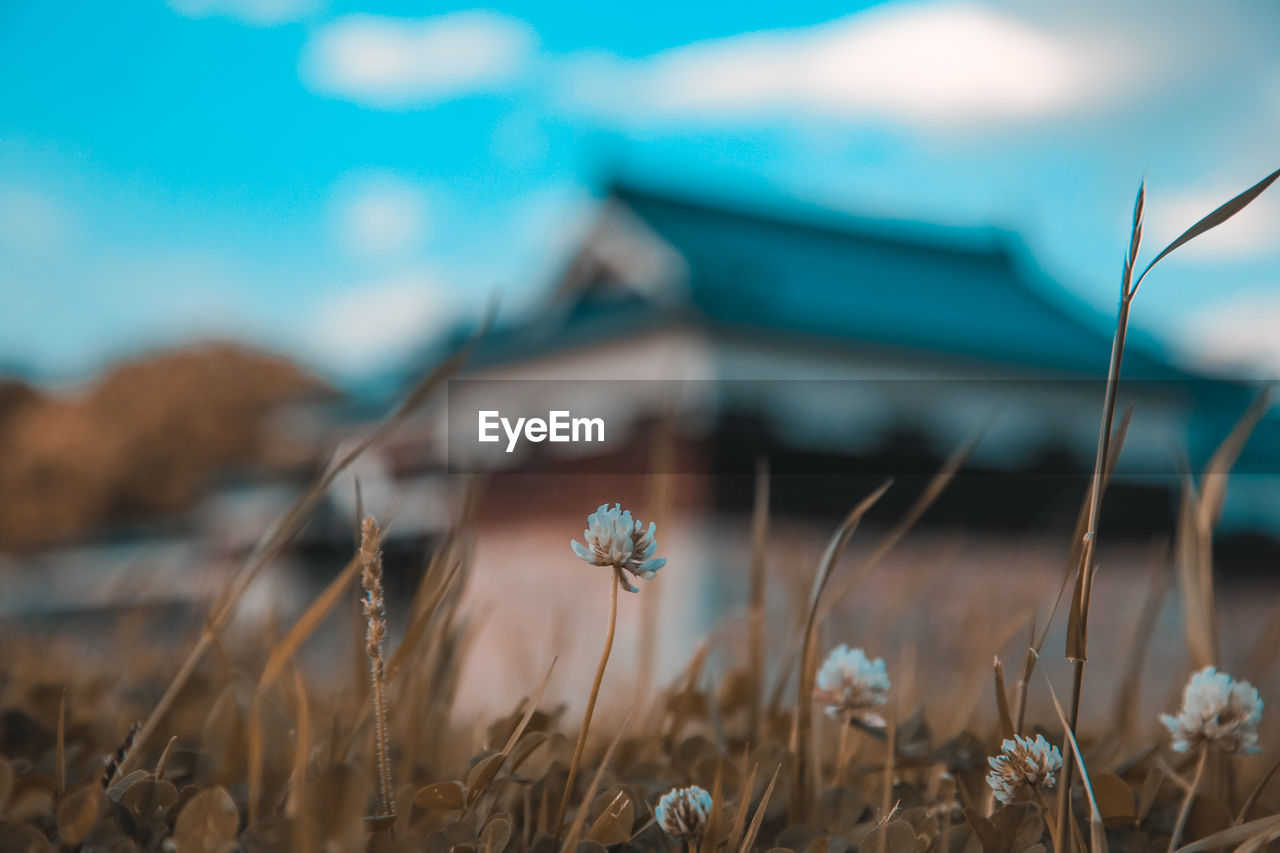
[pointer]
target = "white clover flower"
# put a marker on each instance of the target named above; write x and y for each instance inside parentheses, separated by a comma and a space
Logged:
(853, 686)
(683, 812)
(1217, 710)
(1023, 761)
(615, 539)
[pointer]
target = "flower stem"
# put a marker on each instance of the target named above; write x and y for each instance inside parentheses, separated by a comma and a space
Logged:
(591, 707)
(1185, 812)
(842, 751)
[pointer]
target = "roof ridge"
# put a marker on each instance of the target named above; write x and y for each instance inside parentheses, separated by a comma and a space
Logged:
(985, 241)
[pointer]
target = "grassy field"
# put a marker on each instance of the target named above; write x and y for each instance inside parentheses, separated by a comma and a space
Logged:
(226, 743)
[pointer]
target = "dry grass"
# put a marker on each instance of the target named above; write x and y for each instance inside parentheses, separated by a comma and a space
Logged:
(237, 748)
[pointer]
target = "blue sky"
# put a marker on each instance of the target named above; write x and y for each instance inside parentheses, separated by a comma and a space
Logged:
(338, 180)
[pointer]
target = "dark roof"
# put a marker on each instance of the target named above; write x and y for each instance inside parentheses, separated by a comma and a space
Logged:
(968, 292)
(817, 276)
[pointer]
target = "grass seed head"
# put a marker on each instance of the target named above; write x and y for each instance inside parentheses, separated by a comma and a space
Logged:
(373, 602)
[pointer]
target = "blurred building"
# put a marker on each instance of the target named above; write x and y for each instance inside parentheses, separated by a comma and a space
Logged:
(711, 334)
(847, 350)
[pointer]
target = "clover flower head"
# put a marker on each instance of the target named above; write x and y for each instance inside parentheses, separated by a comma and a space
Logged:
(1218, 711)
(1023, 762)
(683, 812)
(617, 540)
(852, 685)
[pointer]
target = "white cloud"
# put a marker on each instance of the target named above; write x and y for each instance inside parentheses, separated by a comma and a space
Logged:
(381, 216)
(378, 324)
(256, 12)
(31, 222)
(1238, 334)
(921, 63)
(1252, 232)
(399, 62)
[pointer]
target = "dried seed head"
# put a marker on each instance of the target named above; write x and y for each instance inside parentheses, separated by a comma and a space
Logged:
(1217, 711)
(853, 686)
(375, 610)
(683, 812)
(615, 539)
(1023, 762)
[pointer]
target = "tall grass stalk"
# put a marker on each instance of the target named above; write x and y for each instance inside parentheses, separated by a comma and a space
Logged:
(1078, 621)
(662, 452)
(615, 581)
(808, 646)
(755, 597)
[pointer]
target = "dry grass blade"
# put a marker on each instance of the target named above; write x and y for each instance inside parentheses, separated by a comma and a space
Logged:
(1104, 462)
(1002, 703)
(1198, 516)
(614, 824)
(60, 752)
(310, 620)
(1135, 231)
(755, 596)
(296, 515)
(1080, 563)
(1097, 832)
(293, 806)
(296, 806)
(162, 763)
(421, 621)
(887, 805)
(1257, 792)
(662, 454)
(580, 819)
(1193, 560)
(1127, 695)
(284, 529)
(1213, 484)
(710, 834)
(1264, 829)
(257, 756)
(1077, 540)
(758, 819)
(474, 791)
(740, 816)
(1213, 220)
(531, 710)
(932, 491)
(800, 728)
